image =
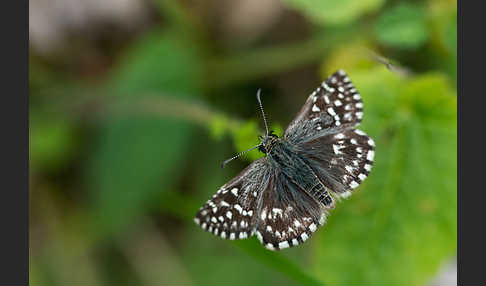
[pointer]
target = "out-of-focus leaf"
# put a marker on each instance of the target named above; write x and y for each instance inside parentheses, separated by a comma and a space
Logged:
(218, 126)
(403, 26)
(443, 22)
(163, 63)
(52, 141)
(138, 156)
(403, 218)
(246, 137)
(334, 12)
(353, 55)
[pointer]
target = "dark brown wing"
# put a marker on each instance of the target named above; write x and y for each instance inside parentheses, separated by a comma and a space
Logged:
(232, 212)
(341, 161)
(288, 216)
(335, 105)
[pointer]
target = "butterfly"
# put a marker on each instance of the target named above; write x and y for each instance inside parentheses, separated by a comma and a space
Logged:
(284, 197)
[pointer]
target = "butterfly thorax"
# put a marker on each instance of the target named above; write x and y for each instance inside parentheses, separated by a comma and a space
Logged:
(285, 159)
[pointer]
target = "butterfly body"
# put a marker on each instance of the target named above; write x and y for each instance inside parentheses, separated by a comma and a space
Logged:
(285, 196)
(285, 158)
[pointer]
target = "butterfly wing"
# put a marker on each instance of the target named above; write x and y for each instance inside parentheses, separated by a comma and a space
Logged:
(335, 105)
(341, 161)
(324, 135)
(232, 212)
(288, 215)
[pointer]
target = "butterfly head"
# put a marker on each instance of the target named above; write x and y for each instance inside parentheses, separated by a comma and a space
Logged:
(268, 141)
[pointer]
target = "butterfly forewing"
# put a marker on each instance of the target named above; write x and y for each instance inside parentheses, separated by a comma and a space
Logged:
(288, 215)
(335, 105)
(232, 212)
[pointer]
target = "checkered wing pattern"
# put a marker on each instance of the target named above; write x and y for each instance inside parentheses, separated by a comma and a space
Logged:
(341, 160)
(283, 197)
(288, 215)
(232, 212)
(335, 105)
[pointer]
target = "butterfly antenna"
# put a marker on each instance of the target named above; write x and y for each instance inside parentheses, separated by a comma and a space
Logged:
(261, 108)
(239, 155)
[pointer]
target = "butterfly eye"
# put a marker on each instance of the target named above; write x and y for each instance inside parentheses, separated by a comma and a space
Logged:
(262, 149)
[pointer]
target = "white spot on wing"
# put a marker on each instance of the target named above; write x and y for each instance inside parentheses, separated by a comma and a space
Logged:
(238, 208)
(270, 246)
(259, 236)
(349, 169)
(331, 111)
(297, 223)
(371, 155)
(283, 244)
(277, 211)
(346, 194)
(312, 227)
(315, 108)
(224, 204)
(264, 214)
(304, 236)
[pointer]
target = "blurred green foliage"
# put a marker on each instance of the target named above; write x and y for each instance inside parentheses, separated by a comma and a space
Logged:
(402, 26)
(120, 165)
(335, 12)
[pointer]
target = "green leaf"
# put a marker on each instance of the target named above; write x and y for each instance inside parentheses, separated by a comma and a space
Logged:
(52, 141)
(401, 223)
(245, 137)
(162, 63)
(137, 157)
(334, 12)
(403, 26)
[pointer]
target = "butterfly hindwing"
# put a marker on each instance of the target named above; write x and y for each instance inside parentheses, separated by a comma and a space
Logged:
(232, 212)
(288, 215)
(335, 105)
(341, 160)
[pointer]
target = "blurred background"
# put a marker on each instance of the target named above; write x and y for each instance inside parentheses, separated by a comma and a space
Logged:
(134, 104)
